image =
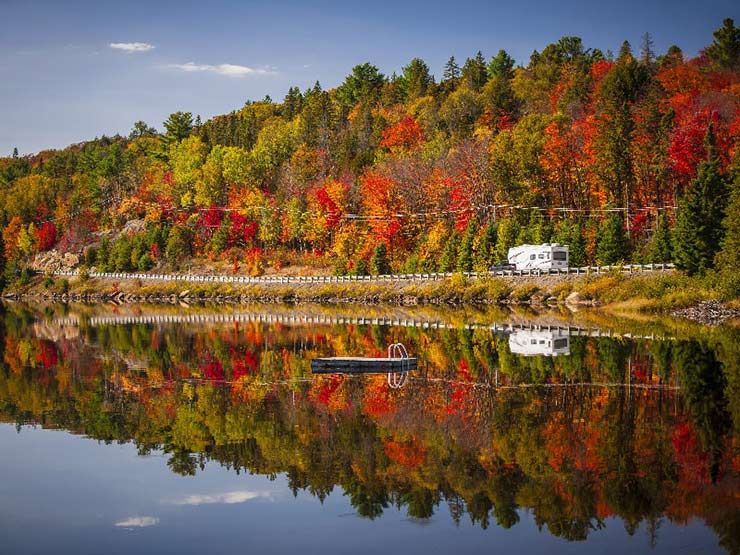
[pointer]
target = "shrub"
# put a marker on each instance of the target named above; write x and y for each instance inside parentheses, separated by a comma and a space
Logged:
(145, 262)
(525, 292)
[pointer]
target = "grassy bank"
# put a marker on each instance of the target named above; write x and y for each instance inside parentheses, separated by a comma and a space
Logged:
(650, 292)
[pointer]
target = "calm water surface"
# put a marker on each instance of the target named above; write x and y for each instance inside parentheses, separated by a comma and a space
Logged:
(191, 430)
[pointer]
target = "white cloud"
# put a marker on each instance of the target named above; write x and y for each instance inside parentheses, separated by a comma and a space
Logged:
(138, 522)
(229, 70)
(228, 498)
(132, 46)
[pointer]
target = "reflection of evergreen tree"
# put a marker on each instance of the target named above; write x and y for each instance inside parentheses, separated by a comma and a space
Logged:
(662, 357)
(703, 384)
(504, 489)
(613, 355)
(369, 502)
(182, 462)
(628, 490)
(420, 502)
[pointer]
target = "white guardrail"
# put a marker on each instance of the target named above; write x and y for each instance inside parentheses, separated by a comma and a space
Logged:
(193, 278)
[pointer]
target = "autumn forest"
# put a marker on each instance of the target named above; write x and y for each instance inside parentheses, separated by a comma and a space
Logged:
(620, 155)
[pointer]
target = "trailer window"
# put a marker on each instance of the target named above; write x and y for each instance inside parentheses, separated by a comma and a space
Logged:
(532, 256)
(560, 343)
(560, 255)
(542, 256)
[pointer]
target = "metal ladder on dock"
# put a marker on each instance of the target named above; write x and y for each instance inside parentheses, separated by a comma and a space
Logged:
(397, 380)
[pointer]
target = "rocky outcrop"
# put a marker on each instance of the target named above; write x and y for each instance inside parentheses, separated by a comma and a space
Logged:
(709, 313)
(54, 261)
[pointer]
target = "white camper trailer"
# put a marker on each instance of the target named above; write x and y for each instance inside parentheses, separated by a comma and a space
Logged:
(539, 343)
(541, 257)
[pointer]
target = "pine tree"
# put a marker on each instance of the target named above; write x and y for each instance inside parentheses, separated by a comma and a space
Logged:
(379, 264)
(465, 256)
(220, 240)
(416, 79)
(448, 262)
(569, 233)
(451, 70)
(508, 231)
(699, 225)
(577, 255)
(359, 268)
(725, 50)
(647, 51)
(475, 72)
(661, 247)
(540, 228)
(729, 257)
(178, 126)
(485, 256)
(611, 243)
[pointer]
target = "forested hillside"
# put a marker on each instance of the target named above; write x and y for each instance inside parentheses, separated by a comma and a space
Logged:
(625, 157)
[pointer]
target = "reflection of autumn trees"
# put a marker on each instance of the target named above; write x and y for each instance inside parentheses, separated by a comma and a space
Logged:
(570, 453)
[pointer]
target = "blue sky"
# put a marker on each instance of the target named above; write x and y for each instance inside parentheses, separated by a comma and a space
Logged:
(61, 81)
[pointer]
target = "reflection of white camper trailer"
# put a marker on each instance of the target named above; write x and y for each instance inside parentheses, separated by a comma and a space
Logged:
(539, 343)
(540, 257)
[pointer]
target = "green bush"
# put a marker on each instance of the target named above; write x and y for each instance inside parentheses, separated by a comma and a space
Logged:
(525, 292)
(145, 262)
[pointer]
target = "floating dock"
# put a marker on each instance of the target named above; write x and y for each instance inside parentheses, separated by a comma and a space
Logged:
(361, 365)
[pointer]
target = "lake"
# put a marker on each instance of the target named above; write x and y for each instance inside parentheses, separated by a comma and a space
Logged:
(196, 429)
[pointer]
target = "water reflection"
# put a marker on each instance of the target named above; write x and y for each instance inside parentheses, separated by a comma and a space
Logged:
(569, 427)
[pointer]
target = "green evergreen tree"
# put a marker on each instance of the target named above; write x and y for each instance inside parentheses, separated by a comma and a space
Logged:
(466, 254)
(379, 265)
(612, 245)
(448, 262)
(725, 50)
(501, 65)
(485, 257)
(508, 231)
(416, 79)
(145, 262)
(661, 247)
(475, 72)
(569, 233)
(220, 240)
(524, 237)
(102, 256)
(728, 257)
(179, 245)
(360, 267)
(451, 70)
(178, 126)
(699, 224)
(540, 228)
(577, 247)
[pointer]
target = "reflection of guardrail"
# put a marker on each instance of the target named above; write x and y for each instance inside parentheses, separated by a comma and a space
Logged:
(192, 278)
(298, 319)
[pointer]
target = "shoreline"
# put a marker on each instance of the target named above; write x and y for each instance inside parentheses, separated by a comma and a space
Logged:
(667, 294)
